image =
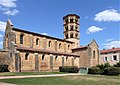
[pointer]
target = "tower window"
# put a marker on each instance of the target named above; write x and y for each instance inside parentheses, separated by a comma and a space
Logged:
(49, 43)
(59, 45)
(71, 20)
(66, 28)
(56, 57)
(43, 57)
(68, 47)
(66, 20)
(26, 56)
(76, 20)
(71, 35)
(37, 41)
(71, 27)
(76, 27)
(94, 54)
(76, 35)
(21, 39)
(66, 36)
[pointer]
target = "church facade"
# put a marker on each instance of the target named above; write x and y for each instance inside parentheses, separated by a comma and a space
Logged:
(30, 51)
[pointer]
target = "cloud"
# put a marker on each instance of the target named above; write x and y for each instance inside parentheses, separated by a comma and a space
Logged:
(44, 33)
(109, 40)
(108, 15)
(1, 35)
(93, 29)
(2, 26)
(11, 12)
(8, 3)
(8, 7)
(112, 44)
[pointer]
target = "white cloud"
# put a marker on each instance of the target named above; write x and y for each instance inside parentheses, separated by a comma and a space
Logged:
(112, 44)
(11, 12)
(8, 7)
(93, 29)
(108, 15)
(8, 3)
(109, 40)
(44, 33)
(1, 35)
(2, 26)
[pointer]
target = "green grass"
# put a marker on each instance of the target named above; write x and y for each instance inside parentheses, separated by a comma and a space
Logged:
(68, 80)
(28, 73)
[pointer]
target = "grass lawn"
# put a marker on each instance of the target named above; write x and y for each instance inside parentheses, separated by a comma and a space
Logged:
(68, 80)
(27, 73)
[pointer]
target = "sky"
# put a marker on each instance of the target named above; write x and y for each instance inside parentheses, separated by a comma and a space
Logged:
(99, 19)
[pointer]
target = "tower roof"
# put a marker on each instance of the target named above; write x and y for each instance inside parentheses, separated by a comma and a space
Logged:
(71, 15)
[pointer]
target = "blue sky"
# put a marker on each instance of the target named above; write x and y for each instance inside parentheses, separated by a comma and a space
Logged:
(99, 19)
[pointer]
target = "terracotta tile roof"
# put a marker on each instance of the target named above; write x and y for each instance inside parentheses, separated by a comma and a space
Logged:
(21, 30)
(110, 50)
(81, 47)
(71, 15)
(46, 51)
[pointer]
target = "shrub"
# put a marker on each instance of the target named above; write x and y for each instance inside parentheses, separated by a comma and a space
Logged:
(112, 71)
(117, 65)
(94, 70)
(4, 68)
(69, 69)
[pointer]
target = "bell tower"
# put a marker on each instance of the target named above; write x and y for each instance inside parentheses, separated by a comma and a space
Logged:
(71, 28)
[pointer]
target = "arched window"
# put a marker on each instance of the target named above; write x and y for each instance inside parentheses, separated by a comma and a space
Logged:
(66, 36)
(71, 35)
(49, 43)
(59, 45)
(21, 39)
(26, 56)
(43, 57)
(94, 54)
(66, 20)
(56, 57)
(68, 47)
(76, 20)
(37, 41)
(66, 58)
(71, 27)
(76, 35)
(66, 28)
(71, 19)
(76, 27)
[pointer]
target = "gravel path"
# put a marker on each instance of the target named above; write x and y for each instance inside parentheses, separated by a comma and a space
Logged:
(1, 83)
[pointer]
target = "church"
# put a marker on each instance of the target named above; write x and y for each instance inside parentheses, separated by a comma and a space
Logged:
(30, 51)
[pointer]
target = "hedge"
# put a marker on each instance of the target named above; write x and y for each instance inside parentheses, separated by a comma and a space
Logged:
(113, 71)
(4, 68)
(69, 69)
(94, 70)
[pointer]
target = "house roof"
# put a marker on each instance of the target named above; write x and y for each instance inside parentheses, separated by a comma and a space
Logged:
(21, 30)
(110, 50)
(46, 51)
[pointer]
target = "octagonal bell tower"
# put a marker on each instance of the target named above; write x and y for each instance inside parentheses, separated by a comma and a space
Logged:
(71, 28)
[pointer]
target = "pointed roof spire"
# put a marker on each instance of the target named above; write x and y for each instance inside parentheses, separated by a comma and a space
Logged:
(9, 22)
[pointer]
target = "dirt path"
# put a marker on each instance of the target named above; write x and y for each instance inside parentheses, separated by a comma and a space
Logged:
(1, 83)
(30, 76)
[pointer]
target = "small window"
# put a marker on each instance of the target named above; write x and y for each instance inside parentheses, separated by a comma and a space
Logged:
(94, 54)
(37, 41)
(49, 43)
(71, 35)
(26, 56)
(43, 57)
(56, 58)
(59, 45)
(105, 58)
(66, 28)
(66, 20)
(71, 20)
(114, 57)
(76, 35)
(66, 36)
(76, 20)
(68, 47)
(21, 39)
(71, 27)
(76, 27)
(66, 58)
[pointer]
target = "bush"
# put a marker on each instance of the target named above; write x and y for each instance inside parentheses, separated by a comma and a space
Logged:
(117, 65)
(112, 71)
(94, 70)
(69, 69)
(4, 68)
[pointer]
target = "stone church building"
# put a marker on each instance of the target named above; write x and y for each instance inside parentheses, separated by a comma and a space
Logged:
(30, 51)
